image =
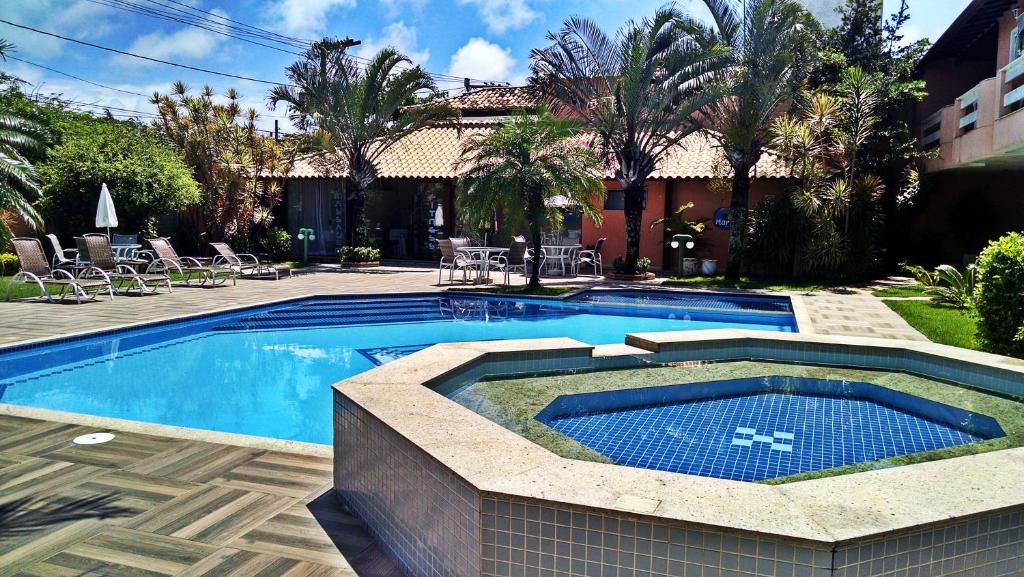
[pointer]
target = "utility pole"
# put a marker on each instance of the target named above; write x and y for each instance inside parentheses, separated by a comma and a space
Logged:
(277, 131)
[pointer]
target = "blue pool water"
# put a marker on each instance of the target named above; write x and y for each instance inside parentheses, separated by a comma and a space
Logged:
(268, 371)
(757, 429)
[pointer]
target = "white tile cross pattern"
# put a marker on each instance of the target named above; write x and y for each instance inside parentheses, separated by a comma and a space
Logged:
(780, 440)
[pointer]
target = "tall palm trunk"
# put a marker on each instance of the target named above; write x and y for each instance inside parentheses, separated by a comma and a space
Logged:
(634, 209)
(357, 216)
(738, 220)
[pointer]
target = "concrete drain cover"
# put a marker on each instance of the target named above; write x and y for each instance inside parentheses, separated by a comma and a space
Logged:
(93, 439)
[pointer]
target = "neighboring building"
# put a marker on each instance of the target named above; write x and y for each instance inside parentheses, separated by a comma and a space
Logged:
(973, 124)
(825, 10)
(420, 174)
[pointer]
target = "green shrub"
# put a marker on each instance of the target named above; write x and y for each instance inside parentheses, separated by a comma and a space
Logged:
(277, 242)
(1000, 296)
(9, 264)
(359, 254)
(621, 266)
(953, 287)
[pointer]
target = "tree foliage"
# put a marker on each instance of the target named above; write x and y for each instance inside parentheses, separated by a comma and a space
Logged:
(636, 91)
(19, 136)
(357, 111)
(836, 198)
(227, 155)
(767, 55)
(530, 159)
(145, 176)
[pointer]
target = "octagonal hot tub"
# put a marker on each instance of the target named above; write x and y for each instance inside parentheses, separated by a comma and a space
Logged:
(552, 457)
(761, 428)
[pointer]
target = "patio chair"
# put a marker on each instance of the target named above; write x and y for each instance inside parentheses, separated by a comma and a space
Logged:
(167, 260)
(34, 268)
(61, 256)
(245, 263)
(514, 259)
(452, 260)
(591, 257)
(81, 251)
(120, 275)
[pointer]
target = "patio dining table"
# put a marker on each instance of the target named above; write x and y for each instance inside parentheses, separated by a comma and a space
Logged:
(480, 258)
(125, 251)
(559, 255)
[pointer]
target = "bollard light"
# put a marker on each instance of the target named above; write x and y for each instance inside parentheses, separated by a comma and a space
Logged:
(683, 242)
(305, 235)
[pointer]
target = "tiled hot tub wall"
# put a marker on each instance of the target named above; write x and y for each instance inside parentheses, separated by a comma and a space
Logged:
(423, 515)
(530, 538)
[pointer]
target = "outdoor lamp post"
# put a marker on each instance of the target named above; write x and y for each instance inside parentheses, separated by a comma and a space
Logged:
(306, 235)
(682, 242)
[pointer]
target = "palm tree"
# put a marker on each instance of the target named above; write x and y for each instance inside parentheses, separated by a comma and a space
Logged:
(521, 165)
(762, 37)
(357, 110)
(637, 92)
(18, 187)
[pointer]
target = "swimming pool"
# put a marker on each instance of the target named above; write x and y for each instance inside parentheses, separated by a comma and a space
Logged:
(268, 371)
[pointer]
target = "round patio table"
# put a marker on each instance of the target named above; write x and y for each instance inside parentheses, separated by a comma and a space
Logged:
(480, 258)
(559, 254)
(125, 251)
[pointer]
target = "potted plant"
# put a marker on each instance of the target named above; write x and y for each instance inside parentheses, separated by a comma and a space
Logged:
(620, 270)
(359, 256)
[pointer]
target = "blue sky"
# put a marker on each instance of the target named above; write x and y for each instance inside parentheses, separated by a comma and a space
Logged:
(485, 39)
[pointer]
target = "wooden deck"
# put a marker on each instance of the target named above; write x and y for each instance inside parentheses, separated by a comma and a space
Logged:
(153, 506)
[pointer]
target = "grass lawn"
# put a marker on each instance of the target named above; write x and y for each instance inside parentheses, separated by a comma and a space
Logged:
(757, 283)
(523, 290)
(942, 324)
(20, 291)
(916, 290)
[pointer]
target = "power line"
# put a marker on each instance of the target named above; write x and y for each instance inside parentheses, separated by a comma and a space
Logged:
(204, 23)
(157, 60)
(61, 72)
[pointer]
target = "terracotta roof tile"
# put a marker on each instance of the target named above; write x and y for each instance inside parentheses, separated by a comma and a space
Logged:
(497, 99)
(434, 153)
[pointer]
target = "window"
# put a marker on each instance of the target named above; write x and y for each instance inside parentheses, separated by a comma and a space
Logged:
(1016, 43)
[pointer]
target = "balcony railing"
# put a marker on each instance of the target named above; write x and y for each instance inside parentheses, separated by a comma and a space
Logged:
(1012, 72)
(932, 130)
(969, 108)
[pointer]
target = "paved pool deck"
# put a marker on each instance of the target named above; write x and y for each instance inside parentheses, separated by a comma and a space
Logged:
(154, 503)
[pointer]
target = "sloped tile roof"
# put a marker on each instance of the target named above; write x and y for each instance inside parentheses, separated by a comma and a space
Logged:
(500, 98)
(434, 153)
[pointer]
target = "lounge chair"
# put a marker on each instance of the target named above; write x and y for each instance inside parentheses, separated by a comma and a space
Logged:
(452, 260)
(61, 256)
(514, 259)
(121, 275)
(246, 264)
(34, 268)
(167, 261)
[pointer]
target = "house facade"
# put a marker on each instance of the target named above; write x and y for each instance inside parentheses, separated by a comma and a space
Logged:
(415, 200)
(972, 126)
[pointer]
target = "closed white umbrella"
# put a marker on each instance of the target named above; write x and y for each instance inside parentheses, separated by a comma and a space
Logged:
(439, 216)
(106, 216)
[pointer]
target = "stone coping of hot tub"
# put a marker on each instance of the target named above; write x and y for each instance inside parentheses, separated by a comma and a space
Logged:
(829, 510)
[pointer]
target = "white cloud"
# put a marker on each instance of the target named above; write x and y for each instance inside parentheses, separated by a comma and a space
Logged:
(484, 60)
(187, 43)
(399, 36)
(304, 18)
(396, 7)
(503, 15)
(77, 20)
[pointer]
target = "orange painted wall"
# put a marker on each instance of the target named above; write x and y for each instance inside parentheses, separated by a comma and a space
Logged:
(614, 227)
(705, 203)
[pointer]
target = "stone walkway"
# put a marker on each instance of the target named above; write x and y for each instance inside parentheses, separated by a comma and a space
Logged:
(151, 506)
